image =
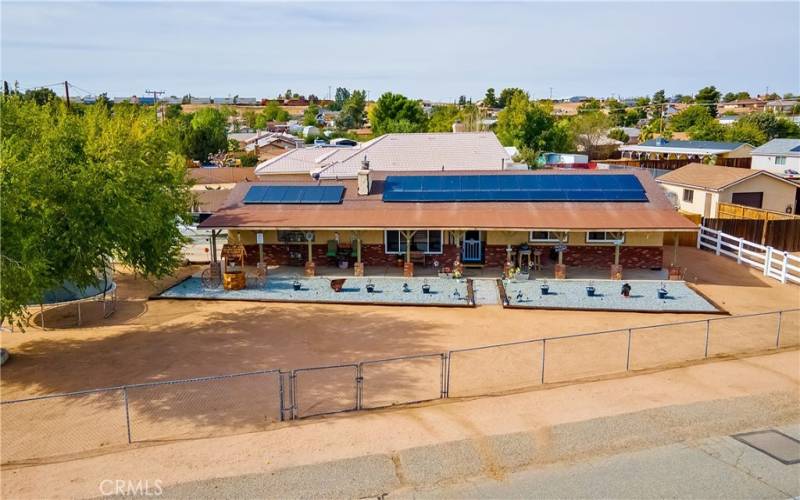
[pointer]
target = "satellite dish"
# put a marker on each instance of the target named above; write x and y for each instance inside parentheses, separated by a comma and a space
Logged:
(673, 198)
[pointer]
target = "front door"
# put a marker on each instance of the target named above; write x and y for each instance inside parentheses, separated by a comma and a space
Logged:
(471, 250)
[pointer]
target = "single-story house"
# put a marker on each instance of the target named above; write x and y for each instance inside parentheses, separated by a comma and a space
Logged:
(782, 105)
(445, 219)
(395, 152)
(741, 106)
(665, 149)
(268, 145)
(778, 156)
(698, 188)
(728, 119)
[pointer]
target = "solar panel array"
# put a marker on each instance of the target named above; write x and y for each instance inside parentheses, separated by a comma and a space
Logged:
(487, 188)
(298, 195)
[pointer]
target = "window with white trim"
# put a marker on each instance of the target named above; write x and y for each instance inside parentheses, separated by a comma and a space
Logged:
(546, 237)
(604, 237)
(425, 241)
(780, 160)
(688, 195)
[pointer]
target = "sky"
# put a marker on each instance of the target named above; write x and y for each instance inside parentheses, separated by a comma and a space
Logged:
(434, 51)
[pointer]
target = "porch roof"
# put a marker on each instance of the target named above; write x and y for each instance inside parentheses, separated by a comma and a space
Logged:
(370, 212)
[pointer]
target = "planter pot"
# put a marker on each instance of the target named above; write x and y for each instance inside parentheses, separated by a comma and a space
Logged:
(426, 289)
(337, 284)
(662, 293)
(296, 286)
(343, 264)
(405, 288)
(590, 291)
(545, 290)
(370, 288)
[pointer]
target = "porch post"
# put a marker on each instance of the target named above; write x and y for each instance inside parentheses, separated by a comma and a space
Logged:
(311, 268)
(616, 268)
(358, 267)
(674, 271)
(408, 267)
(213, 246)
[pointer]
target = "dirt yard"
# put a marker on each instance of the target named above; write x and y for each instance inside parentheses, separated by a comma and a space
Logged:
(162, 340)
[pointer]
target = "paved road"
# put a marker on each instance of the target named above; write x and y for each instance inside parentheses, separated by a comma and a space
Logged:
(719, 467)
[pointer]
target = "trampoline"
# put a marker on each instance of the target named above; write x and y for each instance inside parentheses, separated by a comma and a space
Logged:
(105, 291)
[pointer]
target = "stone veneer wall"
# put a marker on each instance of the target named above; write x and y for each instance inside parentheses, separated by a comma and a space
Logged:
(495, 255)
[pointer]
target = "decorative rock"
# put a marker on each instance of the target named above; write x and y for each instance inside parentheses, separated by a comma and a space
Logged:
(561, 271)
(358, 269)
(311, 269)
(408, 270)
(616, 271)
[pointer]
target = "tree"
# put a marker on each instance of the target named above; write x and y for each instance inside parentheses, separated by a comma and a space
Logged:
(104, 101)
(273, 112)
(396, 113)
(507, 94)
(619, 135)
(310, 115)
(462, 100)
(529, 124)
(709, 96)
(442, 118)
(589, 130)
(342, 94)
(490, 100)
(353, 109)
(746, 132)
(589, 106)
(173, 111)
(657, 103)
(690, 117)
(206, 134)
(250, 117)
(710, 130)
(82, 189)
(772, 126)
(288, 94)
(40, 96)
(616, 112)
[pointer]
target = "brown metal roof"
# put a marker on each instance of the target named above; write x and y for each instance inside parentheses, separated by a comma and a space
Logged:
(223, 175)
(370, 212)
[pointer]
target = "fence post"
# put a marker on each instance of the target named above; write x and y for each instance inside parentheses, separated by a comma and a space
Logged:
(628, 358)
(700, 235)
(359, 385)
(447, 374)
(778, 337)
(719, 243)
(544, 346)
(708, 330)
(739, 253)
(767, 261)
(783, 268)
(445, 363)
(281, 394)
(293, 386)
(127, 413)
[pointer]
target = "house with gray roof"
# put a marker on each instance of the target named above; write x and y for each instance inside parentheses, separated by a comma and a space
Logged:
(778, 156)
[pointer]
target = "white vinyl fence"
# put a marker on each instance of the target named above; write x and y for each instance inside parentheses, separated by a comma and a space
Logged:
(776, 264)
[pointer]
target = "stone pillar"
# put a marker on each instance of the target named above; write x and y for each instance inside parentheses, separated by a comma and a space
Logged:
(616, 271)
(561, 271)
(311, 269)
(358, 269)
(408, 270)
(675, 273)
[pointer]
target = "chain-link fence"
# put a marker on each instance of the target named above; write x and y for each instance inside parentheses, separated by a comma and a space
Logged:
(66, 424)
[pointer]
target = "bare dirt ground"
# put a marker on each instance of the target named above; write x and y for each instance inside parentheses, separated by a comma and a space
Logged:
(162, 340)
(479, 436)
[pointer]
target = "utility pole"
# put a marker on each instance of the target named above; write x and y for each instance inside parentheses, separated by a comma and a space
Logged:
(155, 93)
(5, 87)
(551, 93)
(66, 91)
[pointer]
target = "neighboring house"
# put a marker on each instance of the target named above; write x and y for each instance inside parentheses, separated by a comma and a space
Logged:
(633, 134)
(781, 105)
(563, 158)
(741, 106)
(778, 156)
(437, 218)
(664, 149)
(268, 145)
(728, 119)
(395, 152)
(697, 188)
(565, 108)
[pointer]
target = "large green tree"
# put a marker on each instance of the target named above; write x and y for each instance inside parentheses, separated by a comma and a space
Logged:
(709, 96)
(353, 111)
(507, 94)
(310, 115)
(205, 134)
(694, 115)
(397, 113)
(81, 189)
(490, 100)
(342, 94)
(524, 123)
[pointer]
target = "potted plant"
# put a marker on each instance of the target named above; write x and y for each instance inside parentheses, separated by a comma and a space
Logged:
(426, 288)
(662, 292)
(370, 287)
(626, 290)
(406, 289)
(590, 290)
(545, 288)
(296, 285)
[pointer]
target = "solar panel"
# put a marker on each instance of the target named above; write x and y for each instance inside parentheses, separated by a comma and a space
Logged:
(297, 195)
(532, 188)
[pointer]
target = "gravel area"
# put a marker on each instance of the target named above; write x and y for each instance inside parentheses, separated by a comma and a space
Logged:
(387, 291)
(572, 294)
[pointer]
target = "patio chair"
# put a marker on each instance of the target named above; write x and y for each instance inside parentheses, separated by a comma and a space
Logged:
(333, 251)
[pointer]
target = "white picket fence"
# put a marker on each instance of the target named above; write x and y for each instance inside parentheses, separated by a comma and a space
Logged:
(777, 264)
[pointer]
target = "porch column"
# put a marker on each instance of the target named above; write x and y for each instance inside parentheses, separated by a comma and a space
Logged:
(458, 236)
(213, 246)
(616, 268)
(311, 268)
(358, 267)
(674, 271)
(408, 267)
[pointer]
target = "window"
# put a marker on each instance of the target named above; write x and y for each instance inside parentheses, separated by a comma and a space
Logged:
(780, 160)
(604, 237)
(546, 237)
(422, 241)
(688, 195)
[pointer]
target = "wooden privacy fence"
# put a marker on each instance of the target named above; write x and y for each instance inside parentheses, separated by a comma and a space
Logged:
(776, 264)
(733, 211)
(780, 234)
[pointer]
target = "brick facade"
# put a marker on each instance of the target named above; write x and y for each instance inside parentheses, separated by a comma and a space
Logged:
(494, 256)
